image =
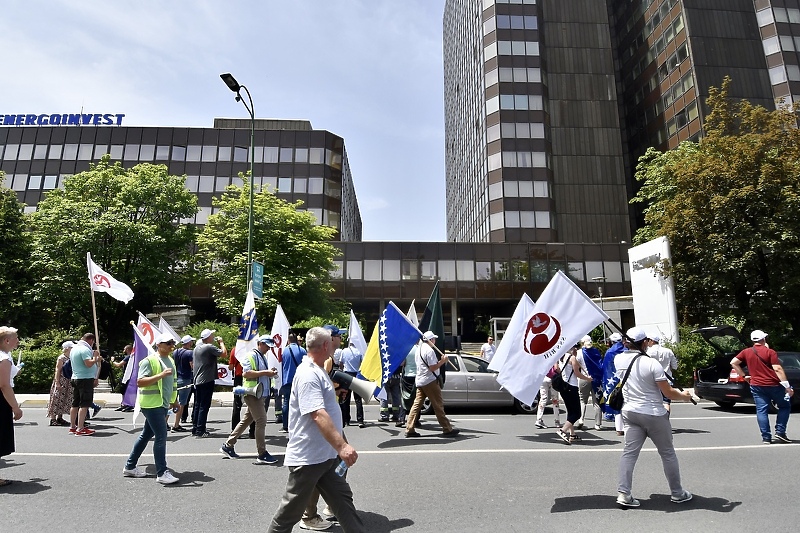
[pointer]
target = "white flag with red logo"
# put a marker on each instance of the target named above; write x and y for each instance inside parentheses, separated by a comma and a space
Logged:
(540, 333)
(280, 334)
(102, 281)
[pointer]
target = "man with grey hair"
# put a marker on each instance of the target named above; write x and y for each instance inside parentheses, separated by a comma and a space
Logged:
(316, 444)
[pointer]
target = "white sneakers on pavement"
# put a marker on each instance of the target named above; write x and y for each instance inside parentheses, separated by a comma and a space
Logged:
(134, 472)
(167, 478)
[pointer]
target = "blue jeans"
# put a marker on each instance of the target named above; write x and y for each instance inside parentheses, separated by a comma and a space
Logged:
(762, 397)
(286, 391)
(155, 425)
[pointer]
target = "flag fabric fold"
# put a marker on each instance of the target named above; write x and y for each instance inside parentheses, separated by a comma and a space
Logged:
(412, 314)
(102, 281)
(540, 333)
(141, 350)
(393, 338)
(279, 334)
(248, 328)
(164, 327)
(433, 319)
(355, 335)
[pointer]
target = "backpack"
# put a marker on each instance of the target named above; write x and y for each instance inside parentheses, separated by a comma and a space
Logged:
(66, 369)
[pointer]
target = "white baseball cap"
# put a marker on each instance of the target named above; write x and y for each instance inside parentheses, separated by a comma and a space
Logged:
(757, 335)
(186, 339)
(206, 333)
(429, 336)
(615, 337)
(636, 334)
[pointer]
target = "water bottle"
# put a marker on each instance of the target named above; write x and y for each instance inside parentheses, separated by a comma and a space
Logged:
(786, 397)
(341, 469)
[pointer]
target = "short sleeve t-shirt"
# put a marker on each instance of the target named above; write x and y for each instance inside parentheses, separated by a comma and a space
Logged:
(487, 350)
(424, 359)
(641, 391)
(183, 360)
(205, 363)
(312, 390)
(760, 366)
(80, 353)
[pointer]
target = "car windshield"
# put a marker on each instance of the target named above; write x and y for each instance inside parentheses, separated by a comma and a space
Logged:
(476, 365)
(727, 344)
(790, 360)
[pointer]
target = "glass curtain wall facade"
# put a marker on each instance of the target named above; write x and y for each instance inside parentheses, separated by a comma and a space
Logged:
(291, 159)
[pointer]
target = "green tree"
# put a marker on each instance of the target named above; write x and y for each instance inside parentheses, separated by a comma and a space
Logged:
(296, 254)
(130, 221)
(15, 251)
(730, 206)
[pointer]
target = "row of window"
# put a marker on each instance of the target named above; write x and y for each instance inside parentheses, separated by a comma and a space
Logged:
(516, 102)
(782, 73)
(489, 3)
(321, 216)
(150, 152)
(778, 14)
(506, 74)
(511, 48)
(648, 27)
(664, 70)
(519, 189)
(520, 219)
(679, 89)
(515, 130)
(469, 270)
(518, 160)
(510, 22)
(682, 118)
(787, 43)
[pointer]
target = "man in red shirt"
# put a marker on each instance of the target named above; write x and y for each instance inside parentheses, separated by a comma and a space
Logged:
(768, 383)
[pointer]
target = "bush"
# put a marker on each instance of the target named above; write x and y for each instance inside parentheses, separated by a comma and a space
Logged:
(228, 332)
(37, 374)
(692, 352)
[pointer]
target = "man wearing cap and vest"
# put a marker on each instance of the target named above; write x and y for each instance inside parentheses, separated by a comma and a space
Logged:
(157, 383)
(255, 372)
(768, 383)
(428, 387)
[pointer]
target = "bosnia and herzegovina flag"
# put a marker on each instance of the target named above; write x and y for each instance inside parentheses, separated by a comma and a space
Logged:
(393, 338)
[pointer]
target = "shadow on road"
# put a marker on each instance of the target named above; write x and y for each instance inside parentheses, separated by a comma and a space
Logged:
(656, 502)
(376, 523)
(31, 486)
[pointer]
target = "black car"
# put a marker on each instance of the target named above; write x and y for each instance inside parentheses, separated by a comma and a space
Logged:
(720, 383)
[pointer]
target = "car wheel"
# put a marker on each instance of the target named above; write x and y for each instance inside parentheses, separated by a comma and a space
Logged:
(725, 404)
(524, 408)
(426, 407)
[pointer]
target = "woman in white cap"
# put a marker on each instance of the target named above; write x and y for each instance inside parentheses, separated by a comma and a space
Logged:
(9, 407)
(60, 390)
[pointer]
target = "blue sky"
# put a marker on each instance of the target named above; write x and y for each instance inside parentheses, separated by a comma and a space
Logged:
(367, 70)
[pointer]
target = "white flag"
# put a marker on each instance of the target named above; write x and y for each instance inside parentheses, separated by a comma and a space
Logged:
(412, 314)
(247, 341)
(540, 333)
(224, 376)
(164, 327)
(355, 335)
(280, 334)
(149, 330)
(102, 281)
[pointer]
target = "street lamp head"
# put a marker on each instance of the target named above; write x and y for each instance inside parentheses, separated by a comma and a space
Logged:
(231, 82)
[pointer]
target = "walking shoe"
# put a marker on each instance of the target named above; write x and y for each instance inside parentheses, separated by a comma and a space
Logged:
(203, 435)
(452, 433)
(684, 497)
(284, 430)
(179, 428)
(167, 478)
(556, 423)
(781, 437)
(766, 442)
(96, 410)
(73, 430)
(383, 419)
(266, 459)
(564, 436)
(598, 427)
(84, 432)
(328, 515)
(229, 452)
(412, 434)
(362, 425)
(134, 472)
(315, 524)
(540, 424)
(626, 500)
(399, 424)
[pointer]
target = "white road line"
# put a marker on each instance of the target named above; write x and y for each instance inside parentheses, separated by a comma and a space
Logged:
(560, 449)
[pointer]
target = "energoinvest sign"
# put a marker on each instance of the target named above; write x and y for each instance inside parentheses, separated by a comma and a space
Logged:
(62, 119)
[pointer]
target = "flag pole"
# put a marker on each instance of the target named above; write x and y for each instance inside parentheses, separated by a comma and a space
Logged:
(94, 307)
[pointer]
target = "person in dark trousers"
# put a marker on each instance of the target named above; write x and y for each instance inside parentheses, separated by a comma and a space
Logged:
(205, 359)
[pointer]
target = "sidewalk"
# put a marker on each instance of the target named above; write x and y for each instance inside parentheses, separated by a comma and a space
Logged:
(111, 399)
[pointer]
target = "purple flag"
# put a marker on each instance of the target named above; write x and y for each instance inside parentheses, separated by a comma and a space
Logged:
(140, 351)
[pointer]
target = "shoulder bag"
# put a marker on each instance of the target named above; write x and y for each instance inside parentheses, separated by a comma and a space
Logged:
(616, 400)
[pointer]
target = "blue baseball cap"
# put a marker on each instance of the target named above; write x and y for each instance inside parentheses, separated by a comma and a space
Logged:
(335, 331)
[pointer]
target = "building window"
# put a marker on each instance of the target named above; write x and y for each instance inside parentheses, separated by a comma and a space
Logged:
(483, 270)
(391, 270)
(771, 45)
(336, 271)
(354, 270)
(316, 185)
(447, 270)
(764, 17)
(284, 185)
(270, 154)
(427, 270)
(372, 270)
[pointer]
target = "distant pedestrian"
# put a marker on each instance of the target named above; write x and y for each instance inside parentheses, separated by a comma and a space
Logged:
(183, 367)
(487, 350)
(591, 362)
(645, 417)
(293, 356)
(351, 359)
(204, 361)
(61, 389)
(126, 357)
(158, 385)
(9, 407)
(610, 380)
(428, 369)
(666, 359)
(571, 372)
(768, 384)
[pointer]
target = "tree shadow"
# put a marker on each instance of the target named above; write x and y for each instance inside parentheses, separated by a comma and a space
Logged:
(656, 502)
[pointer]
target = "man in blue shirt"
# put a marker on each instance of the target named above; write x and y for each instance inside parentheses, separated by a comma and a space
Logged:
(351, 360)
(183, 363)
(292, 357)
(84, 379)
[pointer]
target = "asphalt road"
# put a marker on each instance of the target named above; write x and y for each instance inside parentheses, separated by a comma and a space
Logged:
(500, 475)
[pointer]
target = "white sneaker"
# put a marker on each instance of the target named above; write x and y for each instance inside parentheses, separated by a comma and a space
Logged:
(166, 478)
(134, 472)
(626, 500)
(684, 497)
(315, 524)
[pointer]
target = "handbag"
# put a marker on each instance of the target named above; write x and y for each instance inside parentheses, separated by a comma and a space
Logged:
(557, 381)
(616, 400)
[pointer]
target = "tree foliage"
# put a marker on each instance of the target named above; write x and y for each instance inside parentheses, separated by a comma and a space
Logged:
(15, 250)
(296, 254)
(730, 206)
(129, 219)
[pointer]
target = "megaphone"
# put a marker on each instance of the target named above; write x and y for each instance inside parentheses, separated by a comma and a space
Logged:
(256, 391)
(362, 387)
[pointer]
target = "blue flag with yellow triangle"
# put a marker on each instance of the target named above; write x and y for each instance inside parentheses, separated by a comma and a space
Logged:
(392, 339)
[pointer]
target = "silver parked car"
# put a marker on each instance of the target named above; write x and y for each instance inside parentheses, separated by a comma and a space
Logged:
(470, 383)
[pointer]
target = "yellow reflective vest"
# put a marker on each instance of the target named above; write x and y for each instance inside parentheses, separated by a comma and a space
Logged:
(152, 396)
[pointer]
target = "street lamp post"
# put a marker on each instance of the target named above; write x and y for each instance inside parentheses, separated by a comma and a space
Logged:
(598, 280)
(234, 86)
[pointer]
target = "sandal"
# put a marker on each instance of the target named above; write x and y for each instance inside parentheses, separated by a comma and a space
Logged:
(5, 482)
(574, 438)
(564, 436)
